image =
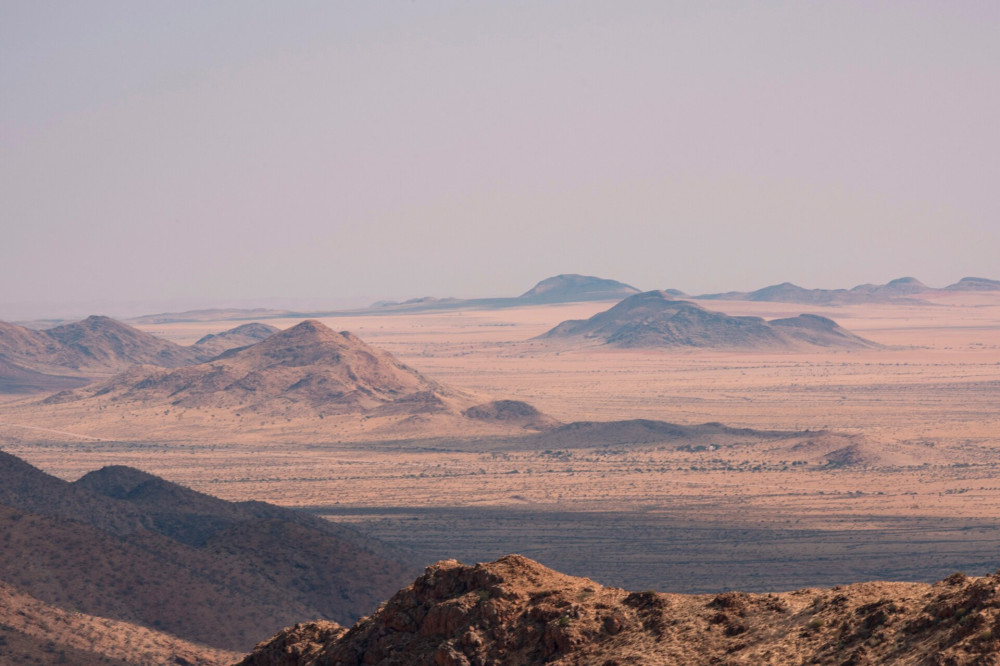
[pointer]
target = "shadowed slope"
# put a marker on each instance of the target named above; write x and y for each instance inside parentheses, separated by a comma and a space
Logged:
(17, 379)
(124, 544)
(214, 344)
(72, 354)
(106, 344)
(32, 631)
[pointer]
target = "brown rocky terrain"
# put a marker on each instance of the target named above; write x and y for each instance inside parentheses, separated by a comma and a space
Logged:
(515, 611)
(123, 544)
(654, 319)
(105, 344)
(32, 631)
(308, 368)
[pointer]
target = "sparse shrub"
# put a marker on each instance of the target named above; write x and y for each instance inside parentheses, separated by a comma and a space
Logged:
(564, 621)
(483, 594)
(815, 623)
(956, 578)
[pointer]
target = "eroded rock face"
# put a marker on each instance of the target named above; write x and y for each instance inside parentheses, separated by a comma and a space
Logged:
(516, 611)
(296, 645)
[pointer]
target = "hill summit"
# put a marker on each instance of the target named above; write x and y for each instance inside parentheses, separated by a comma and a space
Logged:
(571, 287)
(657, 319)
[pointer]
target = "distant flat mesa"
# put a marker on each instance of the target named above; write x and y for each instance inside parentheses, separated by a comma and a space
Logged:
(567, 288)
(900, 289)
(73, 354)
(655, 319)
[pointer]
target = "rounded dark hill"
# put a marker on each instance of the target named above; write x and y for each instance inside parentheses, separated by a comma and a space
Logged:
(571, 287)
(821, 332)
(647, 306)
(116, 481)
(306, 369)
(214, 344)
(974, 284)
(906, 285)
(654, 319)
(512, 412)
(25, 487)
(786, 292)
(103, 343)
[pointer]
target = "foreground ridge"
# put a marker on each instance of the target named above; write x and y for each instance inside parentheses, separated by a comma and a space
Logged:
(516, 611)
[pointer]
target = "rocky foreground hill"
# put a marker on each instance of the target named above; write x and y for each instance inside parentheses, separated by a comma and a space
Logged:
(515, 611)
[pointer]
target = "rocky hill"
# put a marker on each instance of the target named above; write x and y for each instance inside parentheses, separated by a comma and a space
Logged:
(105, 344)
(308, 368)
(655, 319)
(74, 354)
(214, 344)
(515, 611)
(123, 544)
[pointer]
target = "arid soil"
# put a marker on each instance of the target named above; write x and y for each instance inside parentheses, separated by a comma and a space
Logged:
(898, 468)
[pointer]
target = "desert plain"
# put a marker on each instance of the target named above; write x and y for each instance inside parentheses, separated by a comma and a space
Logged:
(870, 464)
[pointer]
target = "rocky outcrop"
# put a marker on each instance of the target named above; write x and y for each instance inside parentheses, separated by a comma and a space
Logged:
(515, 611)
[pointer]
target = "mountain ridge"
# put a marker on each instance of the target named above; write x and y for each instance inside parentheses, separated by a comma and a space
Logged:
(516, 611)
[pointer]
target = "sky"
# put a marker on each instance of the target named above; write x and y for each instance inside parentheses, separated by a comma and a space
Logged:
(173, 154)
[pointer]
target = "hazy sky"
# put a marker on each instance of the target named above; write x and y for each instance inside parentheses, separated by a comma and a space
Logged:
(217, 152)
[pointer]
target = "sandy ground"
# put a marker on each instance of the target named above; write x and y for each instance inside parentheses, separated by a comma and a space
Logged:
(925, 409)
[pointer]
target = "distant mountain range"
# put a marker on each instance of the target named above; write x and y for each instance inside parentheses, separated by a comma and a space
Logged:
(895, 290)
(572, 288)
(655, 319)
(123, 544)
